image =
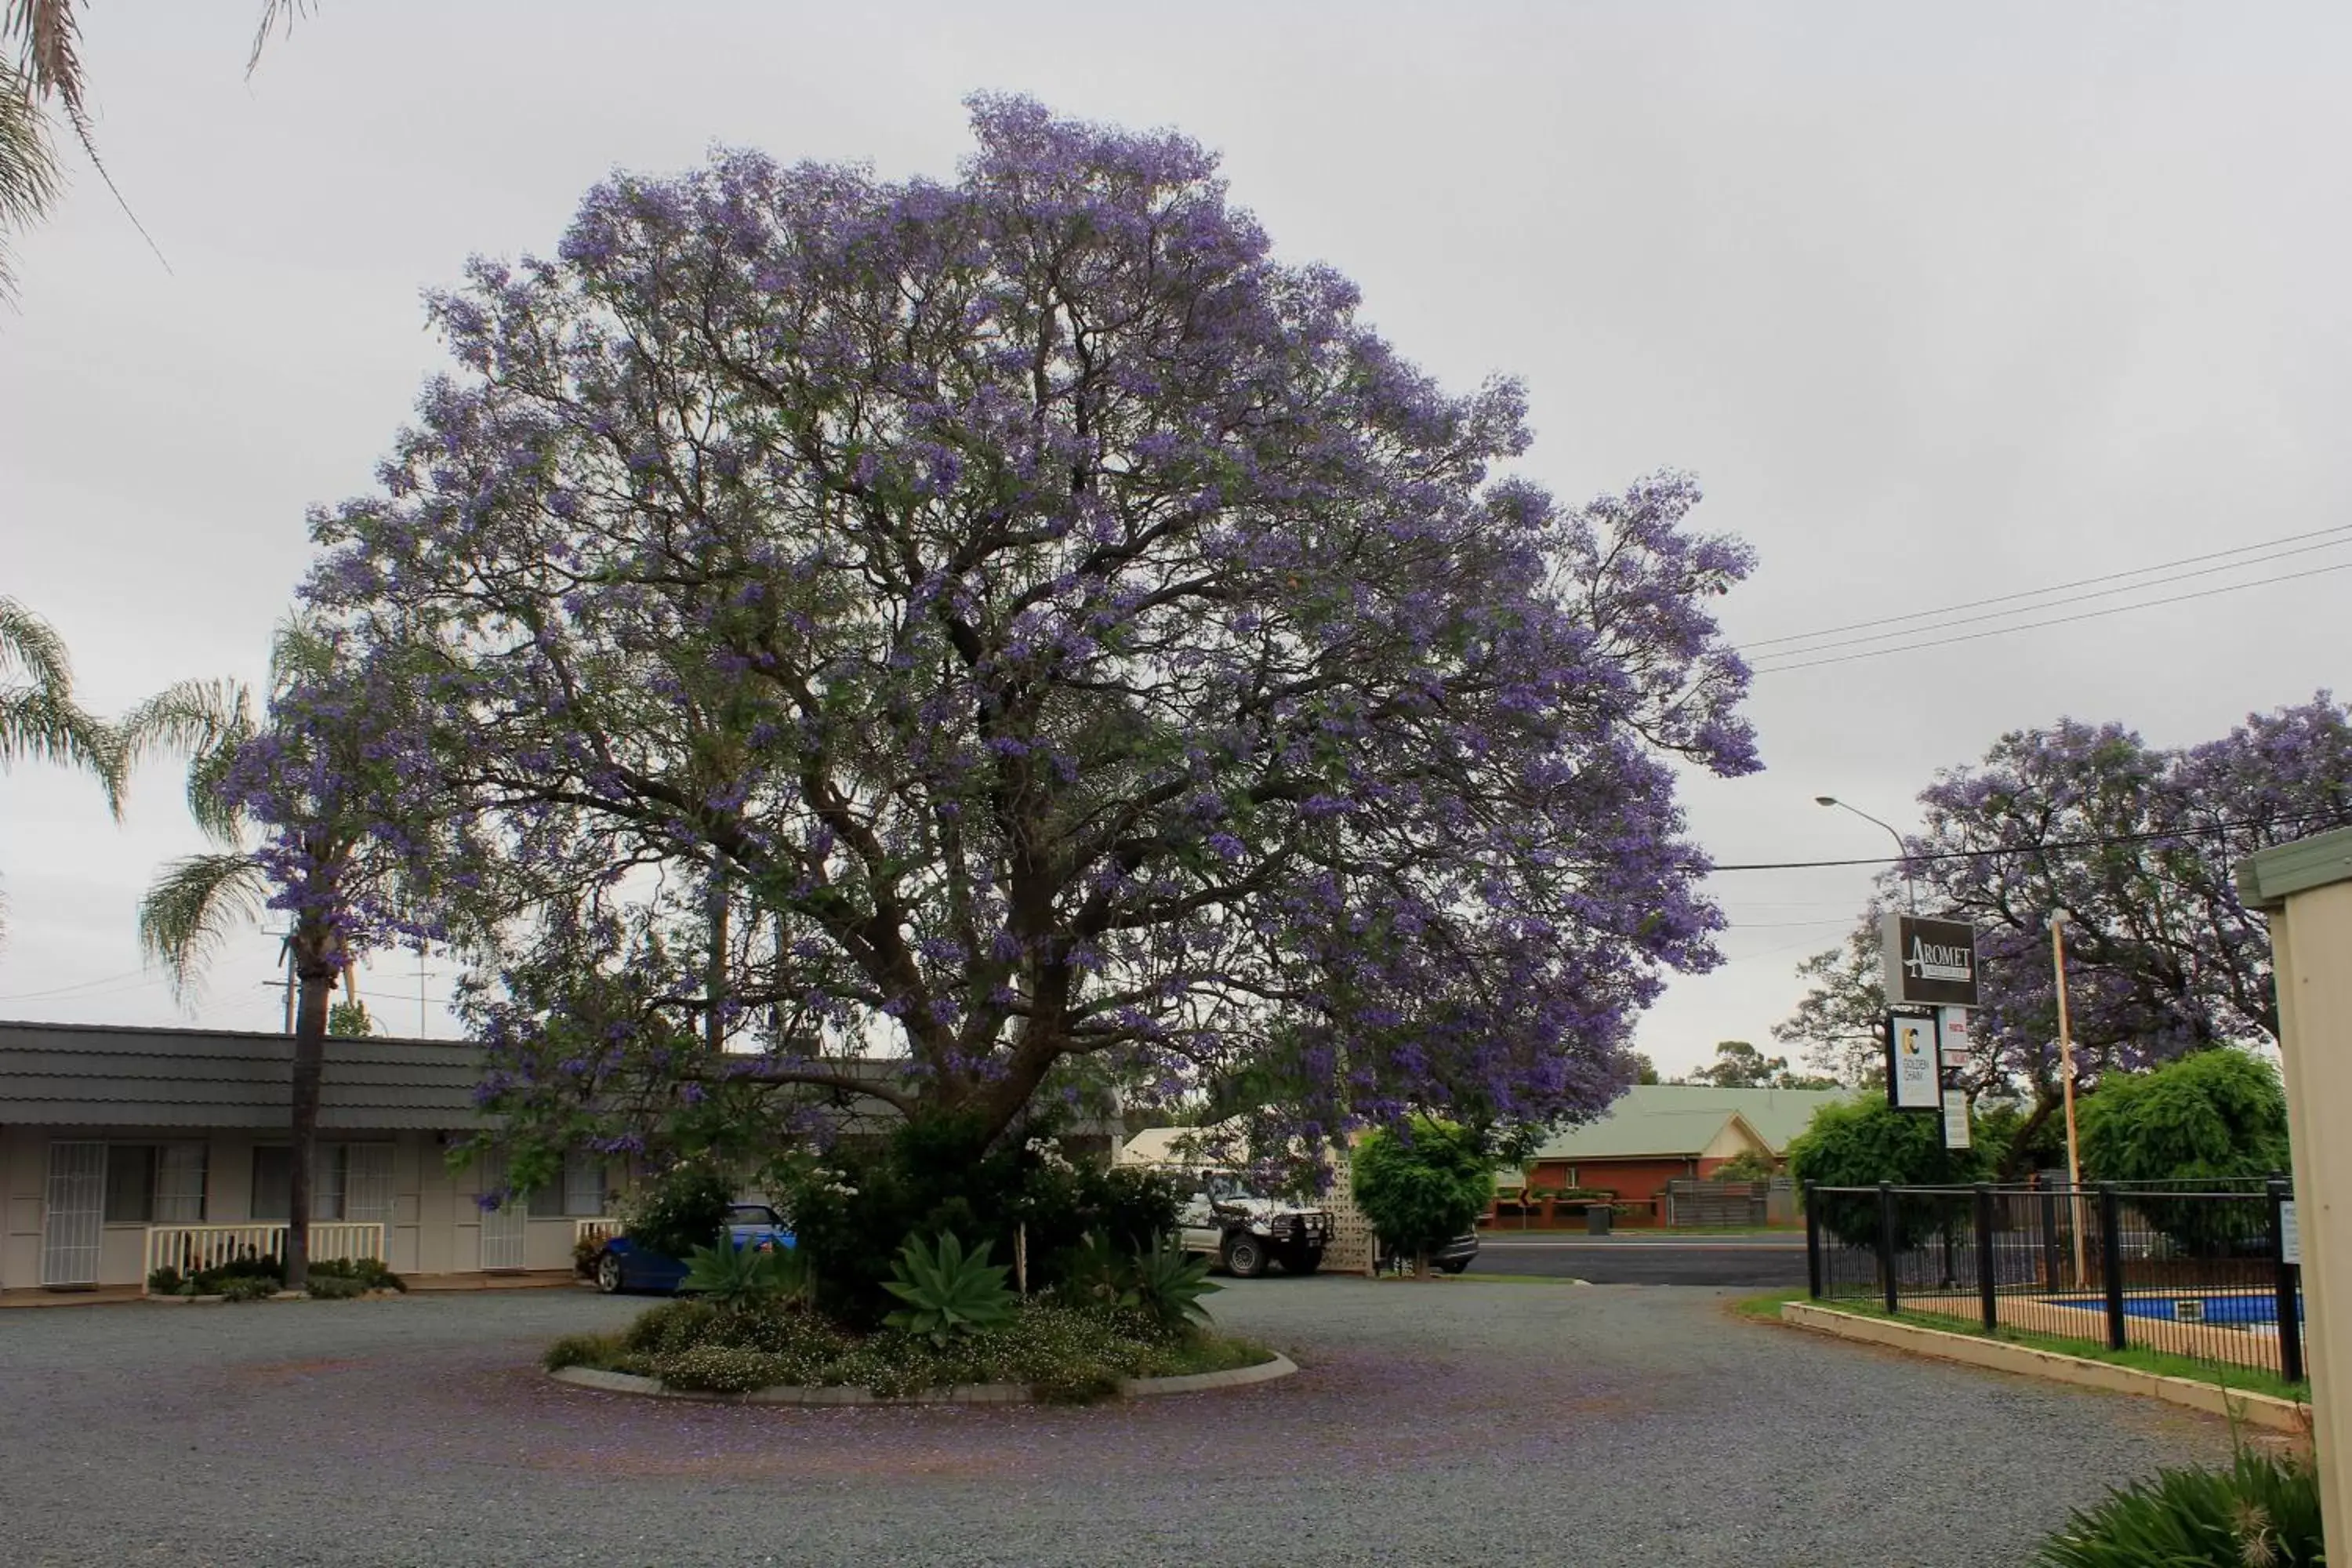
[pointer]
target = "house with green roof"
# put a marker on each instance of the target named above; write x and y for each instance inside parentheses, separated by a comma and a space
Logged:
(1660, 1132)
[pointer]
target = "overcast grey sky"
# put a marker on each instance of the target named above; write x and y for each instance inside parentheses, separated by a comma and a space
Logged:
(1937, 308)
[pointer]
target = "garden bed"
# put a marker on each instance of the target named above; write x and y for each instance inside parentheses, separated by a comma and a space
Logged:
(784, 1354)
(257, 1277)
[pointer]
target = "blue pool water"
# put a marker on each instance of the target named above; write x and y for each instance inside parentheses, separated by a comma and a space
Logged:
(2247, 1307)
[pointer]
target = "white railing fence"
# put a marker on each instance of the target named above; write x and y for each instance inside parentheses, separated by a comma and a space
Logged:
(599, 1230)
(191, 1249)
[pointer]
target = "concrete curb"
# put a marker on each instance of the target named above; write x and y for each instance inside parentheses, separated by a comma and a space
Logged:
(962, 1394)
(2256, 1409)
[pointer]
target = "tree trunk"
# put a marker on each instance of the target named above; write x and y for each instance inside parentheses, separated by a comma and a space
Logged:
(1421, 1268)
(2017, 1158)
(714, 1026)
(317, 981)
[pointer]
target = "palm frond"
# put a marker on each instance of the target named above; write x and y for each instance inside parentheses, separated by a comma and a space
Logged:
(298, 651)
(47, 39)
(208, 722)
(31, 646)
(28, 168)
(274, 14)
(38, 724)
(46, 36)
(193, 906)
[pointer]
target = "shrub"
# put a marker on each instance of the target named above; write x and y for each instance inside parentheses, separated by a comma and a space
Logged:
(724, 1369)
(244, 1288)
(672, 1326)
(581, 1350)
(1862, 1142)
(935, 1175)
(367, 1273)
(2262, 1511)
(684, 1209)
(164, 1281)
(2218, 1116)
(334, 1287)
(1747, 1165)
(1059, 1353)
(947, 1291)
(1093, 1274)
(1423, 1186)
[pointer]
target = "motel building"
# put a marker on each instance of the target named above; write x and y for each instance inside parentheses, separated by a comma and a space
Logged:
(124, 1149)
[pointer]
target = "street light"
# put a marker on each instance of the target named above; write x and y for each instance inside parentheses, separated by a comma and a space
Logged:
(1910, 895)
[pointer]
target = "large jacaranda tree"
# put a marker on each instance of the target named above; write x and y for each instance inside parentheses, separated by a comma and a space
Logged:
(1017, 624)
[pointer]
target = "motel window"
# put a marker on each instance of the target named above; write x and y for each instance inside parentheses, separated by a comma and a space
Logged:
(578, 1193)
(180, 1183)
(150, 1183)
(130, 1183)
(273, 1182)
(330, 1180)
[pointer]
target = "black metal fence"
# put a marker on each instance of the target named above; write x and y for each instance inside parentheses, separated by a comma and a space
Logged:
(2193, 1269)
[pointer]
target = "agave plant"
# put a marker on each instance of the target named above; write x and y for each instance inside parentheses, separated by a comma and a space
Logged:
(732, 1275)
(946, 1292)
(2261, 1512)
(1166, 1285)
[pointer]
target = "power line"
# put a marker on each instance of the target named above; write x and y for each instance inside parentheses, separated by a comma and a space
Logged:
(2058, 621)
(83, 986)
(2031, 848)
(2054, 588)
(2101, 593)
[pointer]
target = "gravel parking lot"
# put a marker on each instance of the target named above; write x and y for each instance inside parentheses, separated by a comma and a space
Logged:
(1451, 1422)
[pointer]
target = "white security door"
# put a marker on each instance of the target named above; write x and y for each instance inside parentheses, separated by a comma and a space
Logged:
(367, 1183)
(505, 1226)
(76, 1209)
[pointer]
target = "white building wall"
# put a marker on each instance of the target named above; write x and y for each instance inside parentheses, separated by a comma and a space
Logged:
(434, 1229)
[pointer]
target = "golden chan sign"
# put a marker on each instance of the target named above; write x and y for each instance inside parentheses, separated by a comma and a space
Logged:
(1928, 963)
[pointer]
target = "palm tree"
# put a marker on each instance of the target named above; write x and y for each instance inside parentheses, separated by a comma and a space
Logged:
(38, 716)
(199, 900)
(44, 38)
(39, 719)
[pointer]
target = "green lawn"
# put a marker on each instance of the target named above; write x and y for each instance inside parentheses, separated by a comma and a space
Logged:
(1766, 1308)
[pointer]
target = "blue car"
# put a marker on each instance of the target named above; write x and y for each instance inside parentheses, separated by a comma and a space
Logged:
(624, 1266)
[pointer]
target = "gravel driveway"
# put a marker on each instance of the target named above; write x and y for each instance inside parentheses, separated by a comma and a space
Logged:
(1443, 1423)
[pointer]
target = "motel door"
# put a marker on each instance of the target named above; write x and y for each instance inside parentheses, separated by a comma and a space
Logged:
(505, 1226)
(71, 1218)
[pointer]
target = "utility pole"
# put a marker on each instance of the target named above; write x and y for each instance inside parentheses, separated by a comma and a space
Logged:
(2066, 1083)
(286, 953)
(421, 974)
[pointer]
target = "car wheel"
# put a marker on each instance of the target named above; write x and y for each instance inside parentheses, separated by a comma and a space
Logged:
(1457, 1267)
(608, 1273)
(1305, 1260)
(1244, 1256)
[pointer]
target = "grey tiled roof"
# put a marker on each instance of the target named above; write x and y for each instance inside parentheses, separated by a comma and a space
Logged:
(85, 1075)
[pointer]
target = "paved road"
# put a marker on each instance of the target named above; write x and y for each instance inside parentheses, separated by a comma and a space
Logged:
(1752, 1263)
(1439, 1421)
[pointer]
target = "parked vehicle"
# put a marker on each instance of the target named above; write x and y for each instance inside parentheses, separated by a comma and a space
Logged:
(1451, 1258)
(1223, 1218)
(624, 1266)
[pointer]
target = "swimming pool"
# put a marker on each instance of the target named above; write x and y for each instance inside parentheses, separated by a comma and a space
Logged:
(2211, 1306)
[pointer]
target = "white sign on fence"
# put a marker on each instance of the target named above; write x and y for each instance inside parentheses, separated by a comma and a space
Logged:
(2290, 1236)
